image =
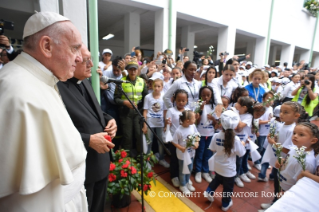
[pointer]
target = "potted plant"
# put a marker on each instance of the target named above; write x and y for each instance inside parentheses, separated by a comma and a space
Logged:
(312, 6)
(125, 176)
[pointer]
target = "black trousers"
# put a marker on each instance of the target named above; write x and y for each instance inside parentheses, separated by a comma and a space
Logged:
(276, 184)
(228, 186)
(96, 194)
(173, 162)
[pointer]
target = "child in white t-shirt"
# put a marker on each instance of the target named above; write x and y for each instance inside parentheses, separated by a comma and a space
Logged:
(227, 146)
(185, 154)
(303, 137)
(154, 115)
(264, 126)
(206, 129)
(180, 98)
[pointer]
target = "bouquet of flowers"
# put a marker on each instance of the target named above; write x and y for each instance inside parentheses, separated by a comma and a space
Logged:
(255, 128)
(275, 97)
(197, 106)
(210, 51)
(312, 6)
(278, 149)
(273, 129)
(301, 156)
(191, 139)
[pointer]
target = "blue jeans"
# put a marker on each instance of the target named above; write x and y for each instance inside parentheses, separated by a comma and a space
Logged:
(158, 131)
(244, 163)
(184, 178)
(261, 149)
(263, 170)
(228, 187)
(239, 161)
(203, 154)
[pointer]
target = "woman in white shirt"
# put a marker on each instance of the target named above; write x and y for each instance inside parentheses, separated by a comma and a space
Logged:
(186, 82)
(290, 87)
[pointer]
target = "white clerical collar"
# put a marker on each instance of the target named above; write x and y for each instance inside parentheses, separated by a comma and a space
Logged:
(79, 82)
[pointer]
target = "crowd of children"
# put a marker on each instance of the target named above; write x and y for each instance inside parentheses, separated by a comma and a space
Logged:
(214, 122)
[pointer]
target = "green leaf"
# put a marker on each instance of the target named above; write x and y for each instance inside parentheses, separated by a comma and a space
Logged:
(122, 191)
(154, 181)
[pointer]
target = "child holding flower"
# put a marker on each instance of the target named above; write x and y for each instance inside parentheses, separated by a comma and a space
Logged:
(185, 148)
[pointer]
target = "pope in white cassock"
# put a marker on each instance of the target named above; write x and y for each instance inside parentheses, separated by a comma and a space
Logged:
(42, 156)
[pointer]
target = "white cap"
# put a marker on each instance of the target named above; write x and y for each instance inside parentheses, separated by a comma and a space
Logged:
(41, 20)
(243, 67)
(157, 75)
(229, 119)
(107, 51)
(243, 73)
(277, 111)
(204, 72)
(249, 63)
(285, 80)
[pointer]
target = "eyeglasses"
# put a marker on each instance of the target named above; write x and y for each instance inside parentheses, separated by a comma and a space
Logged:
(88, 61)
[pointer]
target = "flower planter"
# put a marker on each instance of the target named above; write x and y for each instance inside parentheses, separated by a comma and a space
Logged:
(119, 202)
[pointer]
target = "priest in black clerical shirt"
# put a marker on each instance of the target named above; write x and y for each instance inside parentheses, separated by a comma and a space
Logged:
(92, 123)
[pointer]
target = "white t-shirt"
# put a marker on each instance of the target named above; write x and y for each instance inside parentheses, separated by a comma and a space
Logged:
(247, 119)
(101, 64)
(203, 128)
(155, 110)
(225, 165)
(167, 85)
(179, 137)
(317, 165)
(220, 90)
(264, 128)
(174, 115)
(289, 88)
(290, 171)
(285, 135)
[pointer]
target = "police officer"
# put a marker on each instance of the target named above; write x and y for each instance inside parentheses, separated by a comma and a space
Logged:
(136, 91)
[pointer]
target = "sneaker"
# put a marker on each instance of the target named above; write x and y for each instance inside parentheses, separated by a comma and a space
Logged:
(164, 163)
(245, 178)
(263, 179)
(190, 187)
(175, 182)
(249, 168)
(208, 196)
(190, 182)
(198, 177)
(157, 155)
(207, 177)
(229, 205)
(265, 205)
(257, 166)
(238, 182)
(250, 175)
(184, 190)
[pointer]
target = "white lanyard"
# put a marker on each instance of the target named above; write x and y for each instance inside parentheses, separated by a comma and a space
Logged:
(221, 90)
(256, 95)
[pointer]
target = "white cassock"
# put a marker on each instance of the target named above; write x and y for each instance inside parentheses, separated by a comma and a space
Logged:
(42, 156)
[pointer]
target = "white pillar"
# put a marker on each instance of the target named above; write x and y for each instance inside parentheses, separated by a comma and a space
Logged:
(131, 31)
(173, 27)
(49, 5)
(287, 54)
(273, 54)
(250, 49)
(188, 40)
(305, 55)
(161, 30)
(71, 10)
(226, 40)
(260, 52)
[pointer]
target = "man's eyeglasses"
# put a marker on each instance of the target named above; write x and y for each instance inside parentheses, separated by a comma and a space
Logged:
(87, 60)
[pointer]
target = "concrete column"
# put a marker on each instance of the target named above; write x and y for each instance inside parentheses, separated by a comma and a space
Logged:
(226, 40)
(131, 31)
(173, 25)
(272, 56)
(287, 54)
(305, 56)
(315, 60)
(250, 49)
(188, 40)
(72, 9)
(260, 52)
(49, 5)
(161, 30)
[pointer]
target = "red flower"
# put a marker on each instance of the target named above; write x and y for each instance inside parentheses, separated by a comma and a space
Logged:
(127, 162)
(125, 166)
(123, 173)
(123, 154)
(112, 166)
(107, 137)
(145, 188)
(148, 159)
(133, 170)
(150, 174)
(112, 177)
(120, 160)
